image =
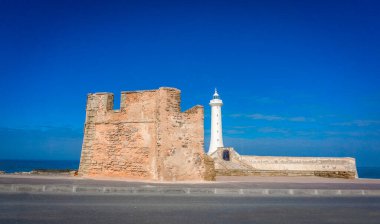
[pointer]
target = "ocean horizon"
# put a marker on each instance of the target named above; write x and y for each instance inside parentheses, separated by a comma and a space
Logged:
(13, 166)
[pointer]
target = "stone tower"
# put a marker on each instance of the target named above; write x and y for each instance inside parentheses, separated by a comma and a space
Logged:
(216, 140)
(149, 137)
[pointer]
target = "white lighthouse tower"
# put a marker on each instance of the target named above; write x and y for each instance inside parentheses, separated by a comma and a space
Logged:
(216, 123)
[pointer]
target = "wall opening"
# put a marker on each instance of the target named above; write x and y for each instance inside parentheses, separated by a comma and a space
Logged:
(226, 155)
(116, 101)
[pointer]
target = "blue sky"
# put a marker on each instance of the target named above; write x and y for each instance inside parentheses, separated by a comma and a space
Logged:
(298, 78)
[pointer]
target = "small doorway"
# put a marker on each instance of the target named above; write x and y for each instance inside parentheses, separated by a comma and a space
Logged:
(226, 155)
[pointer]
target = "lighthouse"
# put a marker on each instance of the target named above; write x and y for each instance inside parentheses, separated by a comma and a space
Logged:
(216, 140)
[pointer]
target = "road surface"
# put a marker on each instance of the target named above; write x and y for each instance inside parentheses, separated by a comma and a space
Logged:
(66, 208)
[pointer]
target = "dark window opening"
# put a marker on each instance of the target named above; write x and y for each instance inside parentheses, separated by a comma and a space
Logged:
(226, 155)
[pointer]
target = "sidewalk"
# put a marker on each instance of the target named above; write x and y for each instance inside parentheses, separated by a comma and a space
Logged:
(232, 186)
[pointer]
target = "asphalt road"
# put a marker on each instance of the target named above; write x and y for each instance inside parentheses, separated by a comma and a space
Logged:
(56, 208)
(224, 182)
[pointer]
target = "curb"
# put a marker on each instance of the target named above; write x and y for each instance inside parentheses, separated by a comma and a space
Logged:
(75, 189)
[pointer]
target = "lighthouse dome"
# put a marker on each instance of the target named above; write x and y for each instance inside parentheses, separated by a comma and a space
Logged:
(216, 95)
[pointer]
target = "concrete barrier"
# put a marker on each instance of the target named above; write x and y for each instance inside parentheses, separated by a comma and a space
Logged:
(372, 192)
(59, 188)
(87, 189)
(202, 191)
(154, 190)
(119, 190)
(28, 188)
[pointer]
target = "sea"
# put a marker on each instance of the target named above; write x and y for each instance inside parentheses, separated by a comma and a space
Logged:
(13, 166)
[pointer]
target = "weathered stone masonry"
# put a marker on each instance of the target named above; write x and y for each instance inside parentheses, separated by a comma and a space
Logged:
(148, 138)
(243, 165)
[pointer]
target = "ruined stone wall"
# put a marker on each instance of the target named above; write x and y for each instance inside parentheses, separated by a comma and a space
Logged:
(148, 138)
(304, 166)
(300, 163)
(241, 165)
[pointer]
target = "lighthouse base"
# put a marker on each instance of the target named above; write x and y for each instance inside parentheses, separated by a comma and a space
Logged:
(230, 163)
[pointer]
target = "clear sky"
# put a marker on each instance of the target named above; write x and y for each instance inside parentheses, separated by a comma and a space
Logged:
(299, 78)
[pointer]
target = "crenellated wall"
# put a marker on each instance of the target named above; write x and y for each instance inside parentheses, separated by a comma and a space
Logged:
(148, 138)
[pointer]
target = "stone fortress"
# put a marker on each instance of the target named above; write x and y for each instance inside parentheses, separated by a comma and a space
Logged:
(150, 138)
